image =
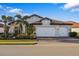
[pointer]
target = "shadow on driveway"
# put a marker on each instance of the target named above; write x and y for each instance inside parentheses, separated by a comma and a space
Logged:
(65, 40)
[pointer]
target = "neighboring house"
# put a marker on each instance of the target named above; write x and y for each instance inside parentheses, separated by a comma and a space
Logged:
(75, 27)
(46, 27)
(1, 28)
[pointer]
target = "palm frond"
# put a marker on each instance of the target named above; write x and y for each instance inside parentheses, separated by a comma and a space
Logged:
(18, 16)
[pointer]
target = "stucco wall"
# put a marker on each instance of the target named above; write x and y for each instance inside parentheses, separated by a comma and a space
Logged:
(33, 19)
(75, 30)
(1, 30)
(59, 30)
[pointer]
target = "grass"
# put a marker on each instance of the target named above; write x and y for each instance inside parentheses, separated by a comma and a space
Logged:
(18, 42)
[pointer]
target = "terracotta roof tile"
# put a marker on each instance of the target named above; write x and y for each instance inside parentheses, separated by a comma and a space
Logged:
(53, 22)
(75, 25)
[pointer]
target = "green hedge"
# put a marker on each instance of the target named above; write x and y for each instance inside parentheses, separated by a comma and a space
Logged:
(18, 36)
(72, 34)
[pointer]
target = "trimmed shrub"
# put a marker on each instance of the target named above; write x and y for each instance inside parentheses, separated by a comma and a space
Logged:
(30, 29)
(72, 34)
(25, 36)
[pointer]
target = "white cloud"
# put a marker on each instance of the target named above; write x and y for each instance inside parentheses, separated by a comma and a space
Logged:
(71, 6)
(26, 14)
(29, 13)
(10, 10)
(15, 10)
(8, 7)
(75, 9)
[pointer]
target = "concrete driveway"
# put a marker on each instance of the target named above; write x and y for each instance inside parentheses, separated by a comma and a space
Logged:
(43, 48)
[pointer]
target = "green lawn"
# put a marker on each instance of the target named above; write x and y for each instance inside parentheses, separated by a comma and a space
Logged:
(18, 42)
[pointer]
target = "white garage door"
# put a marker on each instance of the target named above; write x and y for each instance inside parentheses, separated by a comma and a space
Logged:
(45, 32)
(51, 32)
(63, 32)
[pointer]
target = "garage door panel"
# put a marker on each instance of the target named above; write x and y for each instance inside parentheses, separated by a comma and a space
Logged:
(51, 32)
(63, 32)
(45, 32)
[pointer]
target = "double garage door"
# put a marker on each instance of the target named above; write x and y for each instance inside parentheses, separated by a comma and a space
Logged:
(51, 32)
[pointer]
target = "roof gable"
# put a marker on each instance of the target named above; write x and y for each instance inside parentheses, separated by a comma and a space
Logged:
(35, 15)
(37, 20)
(34, 18)
(52, 22)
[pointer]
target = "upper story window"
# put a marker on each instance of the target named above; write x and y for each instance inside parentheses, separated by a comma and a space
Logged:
(46, 22)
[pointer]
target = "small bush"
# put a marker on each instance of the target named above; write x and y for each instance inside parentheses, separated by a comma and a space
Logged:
(21, 36)
(25, 36)
(72, 34)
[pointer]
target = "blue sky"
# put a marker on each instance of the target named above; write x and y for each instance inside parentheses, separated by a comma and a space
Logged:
(58, 11)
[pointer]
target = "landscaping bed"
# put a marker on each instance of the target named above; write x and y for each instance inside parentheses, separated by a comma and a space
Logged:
(18, 42)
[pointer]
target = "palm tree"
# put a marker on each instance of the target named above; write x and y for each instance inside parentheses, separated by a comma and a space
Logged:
(21, 20)
(10, 18)
(31, 30)
(25, 22)
(5, 20)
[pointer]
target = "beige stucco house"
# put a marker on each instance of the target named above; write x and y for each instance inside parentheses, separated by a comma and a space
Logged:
(46, 27)
(75, 27)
